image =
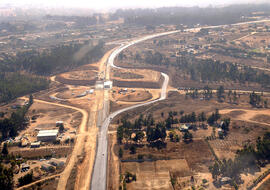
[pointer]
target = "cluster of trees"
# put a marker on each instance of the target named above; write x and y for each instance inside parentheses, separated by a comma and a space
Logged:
(13, 85)
(78, 20)
(55, 60)
(233, 97)
(251, 156)
(6, 177)
(257, 101)
(188, 16)
(26, 179)
(9, 127)
(154, 132)
(213, 117)
(209, 70)
(6, 173)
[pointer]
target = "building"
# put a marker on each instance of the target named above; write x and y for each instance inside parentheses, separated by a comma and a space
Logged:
(91, 91)
(35, 144)
(108, 84)
(59, 123)
(47, 135)
(184, 128)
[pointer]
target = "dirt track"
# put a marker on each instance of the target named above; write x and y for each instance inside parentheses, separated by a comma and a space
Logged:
(248, 115)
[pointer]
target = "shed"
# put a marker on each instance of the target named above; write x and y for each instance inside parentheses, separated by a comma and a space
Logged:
(47, 135)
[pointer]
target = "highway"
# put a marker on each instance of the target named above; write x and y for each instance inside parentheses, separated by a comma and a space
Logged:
(99, 177)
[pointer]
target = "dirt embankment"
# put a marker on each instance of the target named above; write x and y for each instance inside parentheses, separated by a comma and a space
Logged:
(137, 97)
(61, 151)
(75, 82)
(136, 84)
(139, 84)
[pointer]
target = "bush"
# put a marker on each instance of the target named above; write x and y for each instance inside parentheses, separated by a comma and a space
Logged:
(24, 180)
(132, 149)
(140, 157)
(120, 153)
(204, 181)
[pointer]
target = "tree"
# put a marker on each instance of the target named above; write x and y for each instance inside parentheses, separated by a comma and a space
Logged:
(181, 112)
(162, 114)
(171, 135)
(187, 136)
(225, 125)
(193, 117)
(265, 103)
(61, 128)
(120, 134)
(31, 100)
(201, 117)
(139, 136)
(214, 170)
(254, 99)
(5, 149)
(6, 178)
(120, 153)
(132, 149)
(220, 94)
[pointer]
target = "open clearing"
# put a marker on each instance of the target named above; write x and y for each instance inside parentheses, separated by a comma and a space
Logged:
(156, 175)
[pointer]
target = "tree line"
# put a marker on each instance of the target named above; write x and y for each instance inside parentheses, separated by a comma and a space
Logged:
(58, 59)
(188, 16)
(10, 127)
(209, 70)
(13, 85)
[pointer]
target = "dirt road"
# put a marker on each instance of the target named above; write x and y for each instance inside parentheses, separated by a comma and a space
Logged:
(77, 150)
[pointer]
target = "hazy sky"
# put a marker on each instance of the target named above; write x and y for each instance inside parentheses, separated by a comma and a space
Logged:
(106, 4)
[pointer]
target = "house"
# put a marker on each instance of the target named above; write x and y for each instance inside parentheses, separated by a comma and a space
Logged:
(47, 135)
(184, 128)
(35, 144)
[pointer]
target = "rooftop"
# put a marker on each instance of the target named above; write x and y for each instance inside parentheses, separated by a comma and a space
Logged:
(47, 133)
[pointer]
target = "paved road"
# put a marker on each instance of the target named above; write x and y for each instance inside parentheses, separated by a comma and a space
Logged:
(99, 178)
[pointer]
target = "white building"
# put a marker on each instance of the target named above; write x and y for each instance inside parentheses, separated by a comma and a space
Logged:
(108, 84)
(47, 135)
